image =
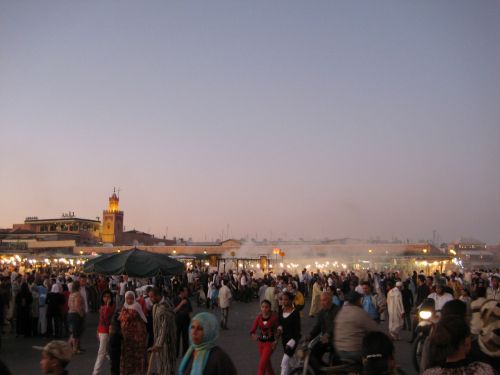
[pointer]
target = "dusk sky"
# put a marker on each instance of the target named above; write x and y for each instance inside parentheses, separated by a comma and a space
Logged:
(287, 119)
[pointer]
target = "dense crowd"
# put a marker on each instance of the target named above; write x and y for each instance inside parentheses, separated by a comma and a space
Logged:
(146, 324)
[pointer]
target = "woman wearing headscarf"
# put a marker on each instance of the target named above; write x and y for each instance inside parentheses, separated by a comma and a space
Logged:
(54, 301)
(203, 356)
(24, 299)
(134, 334)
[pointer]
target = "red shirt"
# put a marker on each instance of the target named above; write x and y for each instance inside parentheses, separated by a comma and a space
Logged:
(267, 326)
(105, 316)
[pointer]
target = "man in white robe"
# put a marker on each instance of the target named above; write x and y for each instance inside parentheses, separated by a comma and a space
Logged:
(396, 310)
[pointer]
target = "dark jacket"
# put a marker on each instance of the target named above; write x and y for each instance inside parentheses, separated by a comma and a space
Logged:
(324, 322)
(422, 292)
(291, 330)
(54, 302)
(218, 363)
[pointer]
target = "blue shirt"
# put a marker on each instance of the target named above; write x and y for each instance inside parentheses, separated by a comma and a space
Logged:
(370, 308)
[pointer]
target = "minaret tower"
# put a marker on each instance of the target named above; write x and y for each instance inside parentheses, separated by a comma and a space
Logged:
(112, 221)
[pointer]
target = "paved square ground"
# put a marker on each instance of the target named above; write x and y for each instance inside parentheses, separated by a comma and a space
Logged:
(22, 359)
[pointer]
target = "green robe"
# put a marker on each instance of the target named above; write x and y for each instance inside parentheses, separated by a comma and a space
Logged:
(164, 329)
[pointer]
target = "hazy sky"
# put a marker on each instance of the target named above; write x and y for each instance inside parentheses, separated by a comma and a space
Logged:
(301, 118)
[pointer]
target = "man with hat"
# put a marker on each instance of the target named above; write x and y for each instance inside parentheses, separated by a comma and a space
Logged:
(493, 291)
(55, 357)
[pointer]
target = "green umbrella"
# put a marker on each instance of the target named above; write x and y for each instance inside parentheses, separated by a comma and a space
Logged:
(89, 264)
(135, 263)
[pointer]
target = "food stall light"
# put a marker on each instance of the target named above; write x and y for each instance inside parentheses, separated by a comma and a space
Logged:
(207, 264)
(258, 266)
(308, 266)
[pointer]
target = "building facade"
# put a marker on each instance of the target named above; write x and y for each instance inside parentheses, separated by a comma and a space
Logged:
(67, 227)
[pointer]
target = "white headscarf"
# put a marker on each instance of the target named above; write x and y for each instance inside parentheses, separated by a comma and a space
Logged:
(134, 306)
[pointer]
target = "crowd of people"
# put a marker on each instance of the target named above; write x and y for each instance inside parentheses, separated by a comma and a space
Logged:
(349, 307)
(146, 325)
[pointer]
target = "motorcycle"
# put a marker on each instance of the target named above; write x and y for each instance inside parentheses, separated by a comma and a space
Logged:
(303, 362)
(426, 317)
